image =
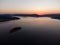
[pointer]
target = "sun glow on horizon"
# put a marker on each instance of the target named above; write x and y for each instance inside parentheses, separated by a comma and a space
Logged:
(29, 6)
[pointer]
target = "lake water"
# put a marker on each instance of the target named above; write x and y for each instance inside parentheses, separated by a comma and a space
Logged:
(34, 31)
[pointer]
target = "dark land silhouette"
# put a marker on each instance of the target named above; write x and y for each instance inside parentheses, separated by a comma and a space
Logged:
(5, 17)
(53, 16)
(15, 29)
(26, 15)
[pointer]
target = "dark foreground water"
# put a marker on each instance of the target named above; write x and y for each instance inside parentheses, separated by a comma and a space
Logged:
(30, 31)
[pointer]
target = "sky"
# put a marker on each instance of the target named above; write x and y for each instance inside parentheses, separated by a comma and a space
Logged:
(29, 6)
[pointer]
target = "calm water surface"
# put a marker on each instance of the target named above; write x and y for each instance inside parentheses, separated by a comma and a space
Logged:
(34, 31)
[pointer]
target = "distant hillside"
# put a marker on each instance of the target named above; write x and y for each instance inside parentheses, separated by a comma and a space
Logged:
(27, 15)
(54, 16)
(7, 18)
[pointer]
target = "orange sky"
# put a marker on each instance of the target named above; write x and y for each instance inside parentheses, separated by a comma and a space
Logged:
(36, 11)
(29, 6)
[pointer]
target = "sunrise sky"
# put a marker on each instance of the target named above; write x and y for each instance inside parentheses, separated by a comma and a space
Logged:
(29, 6)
